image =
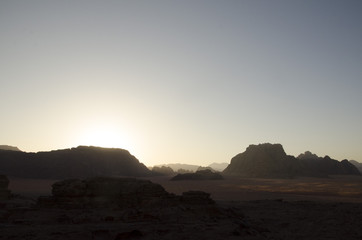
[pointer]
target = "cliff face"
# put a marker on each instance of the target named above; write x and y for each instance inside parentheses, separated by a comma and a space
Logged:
(77, 162)
(270, 161)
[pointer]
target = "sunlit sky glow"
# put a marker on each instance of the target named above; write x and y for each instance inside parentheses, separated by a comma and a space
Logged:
(182, 81)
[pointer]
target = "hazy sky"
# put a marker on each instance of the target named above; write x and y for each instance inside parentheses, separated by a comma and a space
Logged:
(182, 81)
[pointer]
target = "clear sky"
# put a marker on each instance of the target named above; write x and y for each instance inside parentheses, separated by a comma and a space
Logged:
(182, 81)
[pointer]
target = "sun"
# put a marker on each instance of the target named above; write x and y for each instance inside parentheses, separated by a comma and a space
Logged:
(105, 136)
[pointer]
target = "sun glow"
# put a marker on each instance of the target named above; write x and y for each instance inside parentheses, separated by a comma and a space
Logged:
(105, 136)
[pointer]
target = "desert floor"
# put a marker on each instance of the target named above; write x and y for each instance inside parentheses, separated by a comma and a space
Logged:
(303, 208)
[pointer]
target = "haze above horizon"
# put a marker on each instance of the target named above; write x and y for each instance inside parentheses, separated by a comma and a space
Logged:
(182, 81)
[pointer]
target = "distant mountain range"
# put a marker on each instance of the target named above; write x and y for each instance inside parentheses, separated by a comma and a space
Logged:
(263, 160)
(77, 162)
(270, 161)
(176, 167)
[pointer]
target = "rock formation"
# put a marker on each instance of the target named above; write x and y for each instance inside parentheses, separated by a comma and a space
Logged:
(263, 160)
(107, 192)
(314, 166)
(4, 191)
(80, 162)
(206, 174)
(270, 161)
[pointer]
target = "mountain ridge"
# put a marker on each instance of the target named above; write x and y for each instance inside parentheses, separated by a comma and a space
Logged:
(79, 162)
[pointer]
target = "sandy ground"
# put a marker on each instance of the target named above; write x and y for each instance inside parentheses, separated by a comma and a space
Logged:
(304, 208)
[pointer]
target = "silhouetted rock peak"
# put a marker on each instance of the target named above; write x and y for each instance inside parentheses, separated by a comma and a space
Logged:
(270, 161)
(9, 148)
(274, 150)
(263, 160)
(307, 155)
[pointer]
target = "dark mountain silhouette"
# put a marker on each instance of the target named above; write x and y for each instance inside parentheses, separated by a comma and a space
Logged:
(9, 148)
(77, 162)
(205, 168)
(357, 164)
(312, 165)
(206, 174)
(263, 160)
(270, 161)
(177, 166)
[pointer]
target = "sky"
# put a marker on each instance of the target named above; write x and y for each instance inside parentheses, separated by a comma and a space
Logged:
(191, 82)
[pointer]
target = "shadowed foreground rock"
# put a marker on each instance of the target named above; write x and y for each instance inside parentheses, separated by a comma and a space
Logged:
(123, 208)
(104, 192)
(107, 192)
(4, 191)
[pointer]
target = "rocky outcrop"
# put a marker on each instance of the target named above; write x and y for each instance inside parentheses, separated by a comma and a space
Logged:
(155, 214)
(270, 161)
(80, 162)
(206, 174)
(104, 192)
(4, 191)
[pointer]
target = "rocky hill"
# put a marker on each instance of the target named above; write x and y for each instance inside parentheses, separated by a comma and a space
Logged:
(270, 161)
(77, 162)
